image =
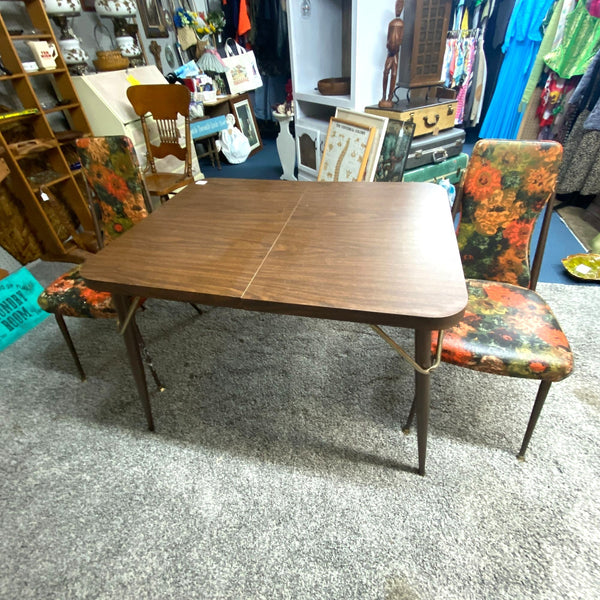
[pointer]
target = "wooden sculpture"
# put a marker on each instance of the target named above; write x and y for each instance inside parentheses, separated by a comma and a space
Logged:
(390, 70)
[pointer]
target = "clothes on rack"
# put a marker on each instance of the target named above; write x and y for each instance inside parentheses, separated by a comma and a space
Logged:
(520, 48)
(460, 65)
(580, 169)
(580, 42)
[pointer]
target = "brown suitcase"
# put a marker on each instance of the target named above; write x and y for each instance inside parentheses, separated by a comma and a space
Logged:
(428, 118)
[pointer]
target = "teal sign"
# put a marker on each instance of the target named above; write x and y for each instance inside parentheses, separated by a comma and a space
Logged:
(19, 310)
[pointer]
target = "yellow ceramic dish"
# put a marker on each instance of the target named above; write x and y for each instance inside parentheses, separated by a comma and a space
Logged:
(583, 266)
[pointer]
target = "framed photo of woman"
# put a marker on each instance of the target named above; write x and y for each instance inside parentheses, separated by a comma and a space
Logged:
(246, 122)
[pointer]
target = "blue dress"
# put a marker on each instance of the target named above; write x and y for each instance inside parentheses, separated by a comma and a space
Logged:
(521, 44)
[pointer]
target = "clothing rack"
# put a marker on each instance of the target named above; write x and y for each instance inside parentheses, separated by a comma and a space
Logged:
(464, 33)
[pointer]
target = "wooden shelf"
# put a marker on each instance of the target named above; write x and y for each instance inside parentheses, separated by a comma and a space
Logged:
(18, 117)
(13, 76)
(26, 150)
(32, 36)
(51, 159)
(61, 107)
(45, 72)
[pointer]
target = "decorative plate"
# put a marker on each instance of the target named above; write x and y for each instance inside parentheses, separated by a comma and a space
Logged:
(583, 266)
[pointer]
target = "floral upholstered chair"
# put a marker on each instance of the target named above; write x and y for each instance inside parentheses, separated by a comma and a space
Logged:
(507, 328)
(117, 190)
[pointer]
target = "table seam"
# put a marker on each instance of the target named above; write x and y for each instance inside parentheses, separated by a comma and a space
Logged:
(262, 262)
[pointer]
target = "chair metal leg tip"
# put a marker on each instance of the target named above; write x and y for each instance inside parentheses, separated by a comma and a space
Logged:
(162, 388)
(406, 430)
(520, 457)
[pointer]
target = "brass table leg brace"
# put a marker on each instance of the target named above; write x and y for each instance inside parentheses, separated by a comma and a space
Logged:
(132, 308)
(406, 356)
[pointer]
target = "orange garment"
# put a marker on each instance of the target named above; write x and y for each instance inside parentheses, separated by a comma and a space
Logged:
(244, 25)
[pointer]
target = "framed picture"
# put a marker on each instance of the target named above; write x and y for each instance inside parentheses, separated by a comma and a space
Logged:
(394, 151)
(246, 121)
(380, 125)
(346, 151)
(154, 18)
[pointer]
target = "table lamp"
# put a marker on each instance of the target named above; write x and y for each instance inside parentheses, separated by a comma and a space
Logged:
(119, 11)
(74, 55)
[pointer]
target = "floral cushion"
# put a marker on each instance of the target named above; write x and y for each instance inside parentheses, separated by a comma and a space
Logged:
(507, 185)
(508, 330)
(71, 297)
(111, 170)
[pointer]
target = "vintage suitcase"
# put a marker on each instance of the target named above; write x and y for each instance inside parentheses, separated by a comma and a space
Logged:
(429, 118)
(451, 169)
(433, 149)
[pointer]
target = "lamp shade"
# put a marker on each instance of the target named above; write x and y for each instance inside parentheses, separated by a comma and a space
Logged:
(211, 62)
(61, 8)
(115, 8)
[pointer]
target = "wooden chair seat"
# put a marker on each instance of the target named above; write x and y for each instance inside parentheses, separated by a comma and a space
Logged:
(162, 184)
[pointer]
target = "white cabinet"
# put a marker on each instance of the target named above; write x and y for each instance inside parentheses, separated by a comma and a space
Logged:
(339, 38)
(104, 99)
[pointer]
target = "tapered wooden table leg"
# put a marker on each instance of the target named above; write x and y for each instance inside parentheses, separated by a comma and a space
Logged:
(135, 358)
(422, 388)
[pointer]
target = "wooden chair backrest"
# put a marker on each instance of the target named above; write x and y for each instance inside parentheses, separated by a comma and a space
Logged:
(506, 187)
(164, 102)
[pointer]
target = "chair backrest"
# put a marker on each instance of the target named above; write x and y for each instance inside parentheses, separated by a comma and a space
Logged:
(507, 184)
(164, 102)
(115, 183)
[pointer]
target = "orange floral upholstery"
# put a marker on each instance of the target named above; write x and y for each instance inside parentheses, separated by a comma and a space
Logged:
(70, 296)
(508, 330)
(110, 167)
(507, 184)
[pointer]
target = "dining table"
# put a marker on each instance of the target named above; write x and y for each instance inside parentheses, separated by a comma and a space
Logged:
(380, 253)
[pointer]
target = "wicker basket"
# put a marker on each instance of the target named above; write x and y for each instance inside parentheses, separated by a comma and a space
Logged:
(110, 60)
(16, 236)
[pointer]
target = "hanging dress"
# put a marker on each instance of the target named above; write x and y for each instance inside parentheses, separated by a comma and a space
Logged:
(520, 46)
(579, 44)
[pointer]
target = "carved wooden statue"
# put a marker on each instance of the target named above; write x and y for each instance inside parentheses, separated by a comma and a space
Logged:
(390, 70)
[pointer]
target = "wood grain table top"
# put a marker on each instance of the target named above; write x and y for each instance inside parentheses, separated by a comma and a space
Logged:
(381, 253)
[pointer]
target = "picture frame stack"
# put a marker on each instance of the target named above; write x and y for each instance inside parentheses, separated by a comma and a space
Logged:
(365, 147)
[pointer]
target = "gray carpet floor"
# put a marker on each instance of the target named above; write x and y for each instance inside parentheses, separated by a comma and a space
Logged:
(279, 470)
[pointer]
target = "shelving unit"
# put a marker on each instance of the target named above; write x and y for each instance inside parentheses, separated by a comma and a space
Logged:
(339, 38)
(38, 147)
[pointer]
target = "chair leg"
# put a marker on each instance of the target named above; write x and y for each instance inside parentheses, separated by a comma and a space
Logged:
(411, 416)
(535, 413)
(196, 307)
(65, 332)
(147, 358)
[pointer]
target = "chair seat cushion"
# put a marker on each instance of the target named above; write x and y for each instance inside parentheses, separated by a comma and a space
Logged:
(70, 296)
(508, 330)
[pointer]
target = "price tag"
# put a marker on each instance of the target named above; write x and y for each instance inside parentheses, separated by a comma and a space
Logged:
(132, 80)
(583, 269)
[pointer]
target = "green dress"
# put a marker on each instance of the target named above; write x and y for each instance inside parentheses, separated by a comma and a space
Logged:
(580, 42)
